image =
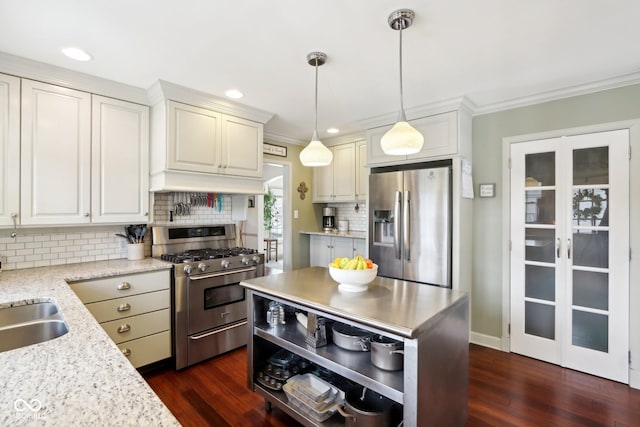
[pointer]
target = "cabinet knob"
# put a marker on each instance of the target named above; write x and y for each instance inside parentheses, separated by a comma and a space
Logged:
(146, 214)
(124, 307)
(86, 214)
(126, 351)
(124, 328)
(124, 286)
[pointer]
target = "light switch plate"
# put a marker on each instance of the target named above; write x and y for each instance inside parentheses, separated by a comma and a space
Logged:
(487, 190)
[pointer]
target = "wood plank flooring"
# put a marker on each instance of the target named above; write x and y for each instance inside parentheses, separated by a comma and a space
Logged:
(505, 389)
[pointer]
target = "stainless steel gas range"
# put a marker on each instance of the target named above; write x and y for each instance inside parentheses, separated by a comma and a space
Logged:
(210, 310)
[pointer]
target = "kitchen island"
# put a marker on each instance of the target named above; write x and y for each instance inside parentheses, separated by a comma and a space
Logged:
(432, 322)
(81, 377)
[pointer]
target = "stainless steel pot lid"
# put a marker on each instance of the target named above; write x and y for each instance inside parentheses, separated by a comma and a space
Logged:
(384, 340)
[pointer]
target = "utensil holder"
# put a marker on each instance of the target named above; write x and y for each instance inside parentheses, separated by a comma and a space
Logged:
(135, 251)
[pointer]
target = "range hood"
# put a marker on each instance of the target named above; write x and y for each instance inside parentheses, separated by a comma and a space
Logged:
(166, 175)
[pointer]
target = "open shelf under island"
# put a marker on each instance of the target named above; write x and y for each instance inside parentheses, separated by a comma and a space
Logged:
(432, 322)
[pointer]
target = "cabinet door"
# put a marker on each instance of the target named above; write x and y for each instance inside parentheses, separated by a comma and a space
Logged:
(9, 149)
(344, 173)
(323, 183)
(320, 254)
(440, 139)
(120, 161)
(194, 137)
(242, 147)
(362, 172)
(360, 247)
(440, 135)
(342, 247)
(55, 159)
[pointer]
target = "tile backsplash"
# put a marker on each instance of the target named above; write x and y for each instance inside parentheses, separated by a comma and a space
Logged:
(357, 220)
(164, 202)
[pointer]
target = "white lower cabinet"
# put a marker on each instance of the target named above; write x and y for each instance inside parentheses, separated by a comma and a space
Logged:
(134, 310)
(323, 249)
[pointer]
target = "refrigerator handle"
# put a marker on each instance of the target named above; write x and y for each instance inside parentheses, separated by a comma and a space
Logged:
(396, 225)
(407, 225)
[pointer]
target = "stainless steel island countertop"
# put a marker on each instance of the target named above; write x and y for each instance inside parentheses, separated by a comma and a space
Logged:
(400, 307)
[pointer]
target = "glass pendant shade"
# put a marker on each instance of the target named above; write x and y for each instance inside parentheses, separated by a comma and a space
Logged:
(315, 153)
(402, 139)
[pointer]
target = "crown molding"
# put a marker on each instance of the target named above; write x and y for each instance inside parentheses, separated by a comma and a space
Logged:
(345, 139)
(276, 137)
(164, 91)
(562, 93)
(47, 73)
(438, 107)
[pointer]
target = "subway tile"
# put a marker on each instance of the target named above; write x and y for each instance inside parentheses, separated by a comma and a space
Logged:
(42, 238)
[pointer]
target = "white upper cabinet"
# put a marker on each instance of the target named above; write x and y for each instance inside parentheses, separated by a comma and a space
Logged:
(120, 161)
(241, 148)
(9, 149)
(55, 158)
(337, 181)
(362, 172)
(441, 139)
(194, 138)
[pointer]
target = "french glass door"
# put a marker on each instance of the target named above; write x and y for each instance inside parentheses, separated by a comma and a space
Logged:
(570, 252)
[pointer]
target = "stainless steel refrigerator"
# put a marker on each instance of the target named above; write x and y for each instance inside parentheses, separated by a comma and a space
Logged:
(410, 223)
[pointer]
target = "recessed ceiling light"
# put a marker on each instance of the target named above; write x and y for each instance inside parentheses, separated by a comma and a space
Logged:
(333, 130)
(234, 93)
(77, 54)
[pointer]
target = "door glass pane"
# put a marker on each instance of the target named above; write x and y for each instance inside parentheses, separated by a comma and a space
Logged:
(591, 289)
(541, 207)
(590, 248)
(540, 169)
(540, 320)
(540, 282)
(590, 207)
(591, 166)
(591, 330)
(540, 245)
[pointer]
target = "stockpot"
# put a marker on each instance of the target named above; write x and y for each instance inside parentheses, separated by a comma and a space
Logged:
(386, 353)
(366, 408)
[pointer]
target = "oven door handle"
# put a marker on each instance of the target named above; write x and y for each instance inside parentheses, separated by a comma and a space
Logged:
(217, 331)
(223, 273)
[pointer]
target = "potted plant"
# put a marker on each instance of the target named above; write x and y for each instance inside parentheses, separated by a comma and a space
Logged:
(269, 203)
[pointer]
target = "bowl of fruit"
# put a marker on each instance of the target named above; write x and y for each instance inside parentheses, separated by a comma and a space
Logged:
(353, 274)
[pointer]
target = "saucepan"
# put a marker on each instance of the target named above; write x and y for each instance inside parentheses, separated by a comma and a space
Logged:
(387, 353)
(366, 408)
(350, 337)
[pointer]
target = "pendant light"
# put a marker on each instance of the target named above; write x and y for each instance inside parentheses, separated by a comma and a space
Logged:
(402, 138)
(315, 153)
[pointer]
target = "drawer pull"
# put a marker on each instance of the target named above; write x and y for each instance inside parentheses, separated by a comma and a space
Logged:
(126, 351)
(124, 286)
(124, 307)
(124, 328)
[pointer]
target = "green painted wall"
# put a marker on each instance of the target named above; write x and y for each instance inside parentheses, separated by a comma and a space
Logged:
(488, 131)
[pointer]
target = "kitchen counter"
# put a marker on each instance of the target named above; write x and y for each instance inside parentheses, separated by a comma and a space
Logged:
(396, 306)
(351, 234)
(80, 377)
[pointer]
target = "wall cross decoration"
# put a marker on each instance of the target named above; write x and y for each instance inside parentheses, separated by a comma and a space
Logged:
(302, 189)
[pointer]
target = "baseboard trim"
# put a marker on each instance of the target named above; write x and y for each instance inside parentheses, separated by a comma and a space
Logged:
(486, 340)
(634, 378)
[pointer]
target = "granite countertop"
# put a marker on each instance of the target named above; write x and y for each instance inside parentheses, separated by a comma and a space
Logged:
(396, 306)
(351, 233)
(80, 378)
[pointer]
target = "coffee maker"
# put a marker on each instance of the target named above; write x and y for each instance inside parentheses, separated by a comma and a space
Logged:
(328, 219)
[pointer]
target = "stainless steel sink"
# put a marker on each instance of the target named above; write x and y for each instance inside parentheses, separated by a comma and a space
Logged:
(29, 324)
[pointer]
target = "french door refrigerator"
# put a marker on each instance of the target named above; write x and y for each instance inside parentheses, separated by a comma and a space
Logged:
(410, 222)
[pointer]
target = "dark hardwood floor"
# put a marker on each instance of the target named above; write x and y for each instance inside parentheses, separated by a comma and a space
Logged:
(505, 389)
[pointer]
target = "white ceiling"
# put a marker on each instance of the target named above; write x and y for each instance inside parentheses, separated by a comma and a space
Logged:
(489, 50)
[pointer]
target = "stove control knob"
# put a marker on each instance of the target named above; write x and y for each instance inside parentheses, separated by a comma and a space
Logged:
(224, 264)
(245, 261)
(187, 269)
(202, 267)
(255, 259)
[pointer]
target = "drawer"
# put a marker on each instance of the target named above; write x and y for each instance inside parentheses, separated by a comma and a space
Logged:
(120, 286)
(120, 308)
(140, 326)
(147, 350)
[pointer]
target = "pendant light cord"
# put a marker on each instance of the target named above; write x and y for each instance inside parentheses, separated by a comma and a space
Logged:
(402, 116)
(315, 127)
